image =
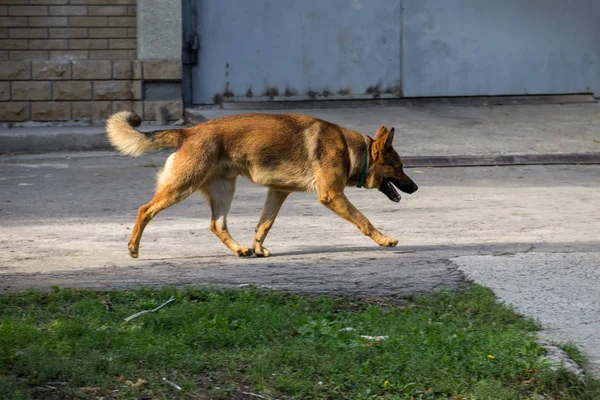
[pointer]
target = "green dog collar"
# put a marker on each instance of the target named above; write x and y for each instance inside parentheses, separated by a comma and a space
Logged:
(363, 173)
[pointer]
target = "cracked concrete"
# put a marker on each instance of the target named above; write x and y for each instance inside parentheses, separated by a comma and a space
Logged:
(559, 288)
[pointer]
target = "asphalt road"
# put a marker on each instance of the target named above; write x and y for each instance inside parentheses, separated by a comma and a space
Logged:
(530, 232)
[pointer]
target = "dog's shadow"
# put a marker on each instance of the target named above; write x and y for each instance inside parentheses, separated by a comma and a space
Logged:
(454, 249)
(487, 248)
(331, 250)
(293, 253)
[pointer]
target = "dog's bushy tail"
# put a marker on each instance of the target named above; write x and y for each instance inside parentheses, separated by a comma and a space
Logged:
(122, 134)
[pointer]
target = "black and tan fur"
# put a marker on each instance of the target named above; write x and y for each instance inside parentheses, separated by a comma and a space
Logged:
(286, 153)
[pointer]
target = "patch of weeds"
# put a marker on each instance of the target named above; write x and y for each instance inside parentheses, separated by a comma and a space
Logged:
(220, 344)
(573, 351)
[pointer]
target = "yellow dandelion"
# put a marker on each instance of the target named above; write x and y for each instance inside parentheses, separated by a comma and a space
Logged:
(491, 357)
(385, 383)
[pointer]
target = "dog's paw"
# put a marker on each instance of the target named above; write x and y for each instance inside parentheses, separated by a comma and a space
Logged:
(388, 242)
(133, 253)
(244, 252)
(262, 252)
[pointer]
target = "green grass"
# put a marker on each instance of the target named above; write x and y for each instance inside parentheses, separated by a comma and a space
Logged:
(573, 351)
(75, 344)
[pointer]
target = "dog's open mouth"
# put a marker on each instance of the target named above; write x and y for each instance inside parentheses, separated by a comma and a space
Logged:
(387, 188)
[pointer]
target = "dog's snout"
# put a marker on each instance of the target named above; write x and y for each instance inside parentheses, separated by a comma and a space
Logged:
(411, 189)
(407, 185)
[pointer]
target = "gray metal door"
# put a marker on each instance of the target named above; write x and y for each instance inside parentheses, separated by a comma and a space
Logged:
(296, 49)
(315, 49)
(492, 47)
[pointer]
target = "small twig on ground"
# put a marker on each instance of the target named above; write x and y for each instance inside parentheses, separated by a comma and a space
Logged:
(254, 395)
(176, 386)
(148, 311)
(374, 337)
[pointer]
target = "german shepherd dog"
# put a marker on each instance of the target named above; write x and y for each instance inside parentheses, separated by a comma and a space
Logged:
(286, 153)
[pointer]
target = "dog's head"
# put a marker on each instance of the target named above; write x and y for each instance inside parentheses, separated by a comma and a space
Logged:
(385, 169)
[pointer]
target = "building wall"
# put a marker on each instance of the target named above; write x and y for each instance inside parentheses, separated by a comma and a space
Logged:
(160, 53)
(66, 60)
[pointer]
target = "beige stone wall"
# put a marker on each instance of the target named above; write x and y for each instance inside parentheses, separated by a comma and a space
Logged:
(75, 59)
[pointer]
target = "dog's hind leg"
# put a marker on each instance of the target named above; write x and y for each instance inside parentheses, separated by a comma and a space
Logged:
(176, 181)
(164, 198)
(273, 203)
(220, 192)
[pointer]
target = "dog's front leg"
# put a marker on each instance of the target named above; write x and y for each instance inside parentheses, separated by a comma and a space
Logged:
(338, 202)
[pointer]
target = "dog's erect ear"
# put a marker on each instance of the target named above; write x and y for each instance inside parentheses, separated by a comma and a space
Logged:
(380, 132)
(390, 138)
(376, 148)
(371, 147)
(387, 139)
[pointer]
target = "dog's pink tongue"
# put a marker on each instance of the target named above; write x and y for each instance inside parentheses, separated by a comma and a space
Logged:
(393, 189)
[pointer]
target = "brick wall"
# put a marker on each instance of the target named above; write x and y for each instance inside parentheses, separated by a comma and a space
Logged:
(74, 59)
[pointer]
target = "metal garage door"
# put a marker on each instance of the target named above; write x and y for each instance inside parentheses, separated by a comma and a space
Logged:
(293, 50)
(296, 49)
(491, 47)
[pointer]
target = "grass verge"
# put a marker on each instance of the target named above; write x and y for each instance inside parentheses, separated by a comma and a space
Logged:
(248, 344)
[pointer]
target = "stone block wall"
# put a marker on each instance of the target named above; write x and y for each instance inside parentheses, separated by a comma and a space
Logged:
(64, 60)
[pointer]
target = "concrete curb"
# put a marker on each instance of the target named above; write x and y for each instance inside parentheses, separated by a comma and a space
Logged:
(34, 142)
(56, 138)
(501, 160)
